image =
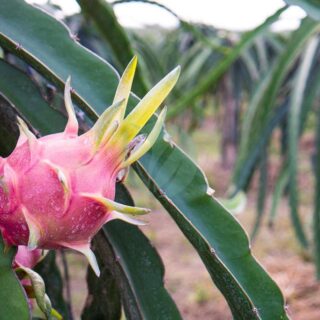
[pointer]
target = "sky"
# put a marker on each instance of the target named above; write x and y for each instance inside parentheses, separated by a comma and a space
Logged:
(226, 14)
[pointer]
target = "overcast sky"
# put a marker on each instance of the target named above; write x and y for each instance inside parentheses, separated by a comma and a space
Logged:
(228, 14)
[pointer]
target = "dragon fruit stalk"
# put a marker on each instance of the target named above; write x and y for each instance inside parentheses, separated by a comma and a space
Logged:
(58, 191)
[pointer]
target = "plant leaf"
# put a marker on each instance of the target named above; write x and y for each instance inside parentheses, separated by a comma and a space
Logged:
(13, 300)
(126, 255)
(103, 301)
(311, 7)
(101, 12)
(214, 75)
(9, 131)
(316, 212)
(296, 104)
(50, 273)
(262, 112)
(262, 192)
(36, 109)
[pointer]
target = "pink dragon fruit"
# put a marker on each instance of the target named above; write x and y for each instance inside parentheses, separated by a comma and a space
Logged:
(58, 191)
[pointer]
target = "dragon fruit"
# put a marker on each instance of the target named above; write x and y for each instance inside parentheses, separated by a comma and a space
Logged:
(58, 191)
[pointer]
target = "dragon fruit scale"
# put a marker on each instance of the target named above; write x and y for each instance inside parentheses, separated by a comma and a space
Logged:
(58, 191)
(28, 258)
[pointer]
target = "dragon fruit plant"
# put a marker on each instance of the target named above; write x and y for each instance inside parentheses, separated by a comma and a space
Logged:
(58, 191)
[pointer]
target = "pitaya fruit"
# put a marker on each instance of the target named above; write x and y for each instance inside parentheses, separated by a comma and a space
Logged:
(58, 191)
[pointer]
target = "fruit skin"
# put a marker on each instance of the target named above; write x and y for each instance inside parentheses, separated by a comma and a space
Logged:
(27, 258)
(57, 191)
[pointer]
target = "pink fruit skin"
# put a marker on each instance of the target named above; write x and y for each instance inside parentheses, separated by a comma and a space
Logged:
(31, 187)
(26, 257)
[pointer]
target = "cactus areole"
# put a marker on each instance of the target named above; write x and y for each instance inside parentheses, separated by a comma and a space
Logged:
(58, 191)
